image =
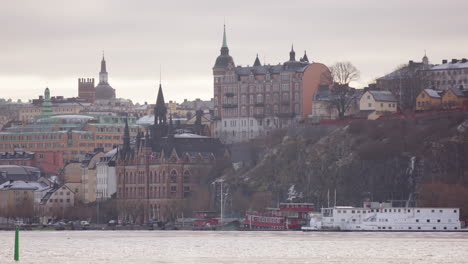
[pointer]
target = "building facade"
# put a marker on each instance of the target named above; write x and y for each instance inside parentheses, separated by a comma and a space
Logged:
(250, 101)
(161, 173)
(378, 103)
(453, 74)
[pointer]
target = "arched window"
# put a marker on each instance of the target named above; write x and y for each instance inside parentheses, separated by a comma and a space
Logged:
(186, 176)
(259, 98)
(173, 176)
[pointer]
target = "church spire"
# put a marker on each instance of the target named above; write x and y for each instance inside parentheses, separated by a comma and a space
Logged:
(103, 73)
(126, 140)
(160, 109)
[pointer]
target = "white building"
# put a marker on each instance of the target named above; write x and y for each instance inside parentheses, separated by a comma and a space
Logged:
(378, 103)
(106, 176)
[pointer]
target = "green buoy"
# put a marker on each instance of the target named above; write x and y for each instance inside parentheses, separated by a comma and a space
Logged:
(17, 244)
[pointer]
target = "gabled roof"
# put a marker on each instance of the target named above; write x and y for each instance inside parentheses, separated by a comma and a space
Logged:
(432, 93)
(383, 96)
(458, 92)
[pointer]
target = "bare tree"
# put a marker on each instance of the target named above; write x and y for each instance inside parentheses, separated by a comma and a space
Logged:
(341, 95)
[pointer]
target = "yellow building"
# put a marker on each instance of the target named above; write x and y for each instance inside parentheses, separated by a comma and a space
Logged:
(81, 177)
(454, 98)
(17, 199)
(428, 99)
(379, 103)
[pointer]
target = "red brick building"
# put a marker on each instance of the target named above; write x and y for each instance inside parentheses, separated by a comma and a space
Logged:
(51, 162)
(160, 176)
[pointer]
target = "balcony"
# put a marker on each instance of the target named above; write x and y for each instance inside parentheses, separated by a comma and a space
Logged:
(229, 94)
(229, 105)
(259, 104)
(259, 116)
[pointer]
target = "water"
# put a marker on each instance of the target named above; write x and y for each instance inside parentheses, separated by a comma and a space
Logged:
(233, 247)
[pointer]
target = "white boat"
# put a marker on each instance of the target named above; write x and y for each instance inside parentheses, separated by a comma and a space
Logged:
(384, 217)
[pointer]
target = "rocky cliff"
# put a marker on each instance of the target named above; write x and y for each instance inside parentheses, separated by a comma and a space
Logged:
(410, 159)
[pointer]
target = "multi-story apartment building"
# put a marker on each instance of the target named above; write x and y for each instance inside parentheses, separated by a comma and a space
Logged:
(250, 101)
(453, 74)
(74, 135)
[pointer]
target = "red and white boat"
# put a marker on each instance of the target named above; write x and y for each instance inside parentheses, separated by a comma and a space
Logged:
(289, 216)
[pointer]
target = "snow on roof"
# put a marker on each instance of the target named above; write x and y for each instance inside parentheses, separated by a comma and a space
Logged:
(384, 96)
(111, 153)
(23, 185)
(187, 135)
(432, 93)
(451, 65)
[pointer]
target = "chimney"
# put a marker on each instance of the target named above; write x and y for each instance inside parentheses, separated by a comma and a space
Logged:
(444, 61)
(454, 60)
(463, 60)
(410, 62)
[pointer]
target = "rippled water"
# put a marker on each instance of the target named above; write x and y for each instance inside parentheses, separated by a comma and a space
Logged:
(233, 247)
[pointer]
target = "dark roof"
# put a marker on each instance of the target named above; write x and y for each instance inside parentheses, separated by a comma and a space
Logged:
(458, 92)
(104, 92)
(223, 61)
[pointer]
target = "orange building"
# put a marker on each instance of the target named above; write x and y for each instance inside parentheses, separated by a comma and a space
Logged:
(454, 98)
(428, 99)
(74, 135)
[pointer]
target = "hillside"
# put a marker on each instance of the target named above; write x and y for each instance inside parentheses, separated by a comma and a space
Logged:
(422, 158)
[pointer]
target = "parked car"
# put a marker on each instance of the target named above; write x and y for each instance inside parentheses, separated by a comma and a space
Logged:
(112, 223)
(84, 223)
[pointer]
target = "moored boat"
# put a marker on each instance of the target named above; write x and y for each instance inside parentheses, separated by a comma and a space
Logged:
(384, 217)
(289, 216)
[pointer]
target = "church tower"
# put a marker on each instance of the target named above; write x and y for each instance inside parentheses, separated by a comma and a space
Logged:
(103, 90)
(160, 128)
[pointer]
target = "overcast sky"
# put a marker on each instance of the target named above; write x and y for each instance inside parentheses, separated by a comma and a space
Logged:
(53, 43)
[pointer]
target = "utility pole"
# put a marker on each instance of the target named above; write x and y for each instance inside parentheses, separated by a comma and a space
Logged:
(221, 202)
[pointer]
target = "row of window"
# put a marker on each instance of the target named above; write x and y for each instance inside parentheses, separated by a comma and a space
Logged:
(399, 210)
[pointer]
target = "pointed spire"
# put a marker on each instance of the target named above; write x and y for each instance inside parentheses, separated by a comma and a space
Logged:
(292, 54)
(103, 63)
(160, 109)
(224, 38)
(126, 140)
(305, 59)
(257, 62)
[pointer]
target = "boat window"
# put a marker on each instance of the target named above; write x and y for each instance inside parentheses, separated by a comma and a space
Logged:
(409, 210)
(434, 228)
(389, 227)
(417, 220)
(383, 227)
(358, 212)
(454, 211)
(352, 211)
(419, 227)
(428, 220)
(445, 227)
(354, 220)
(409, 227)
(432, 210)
(377, 210)
(339, 211)
(418, 211)
(399, 210)
(372, 210)
(438, 220)
(440, 211)
(385, 210)
(455, 228)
